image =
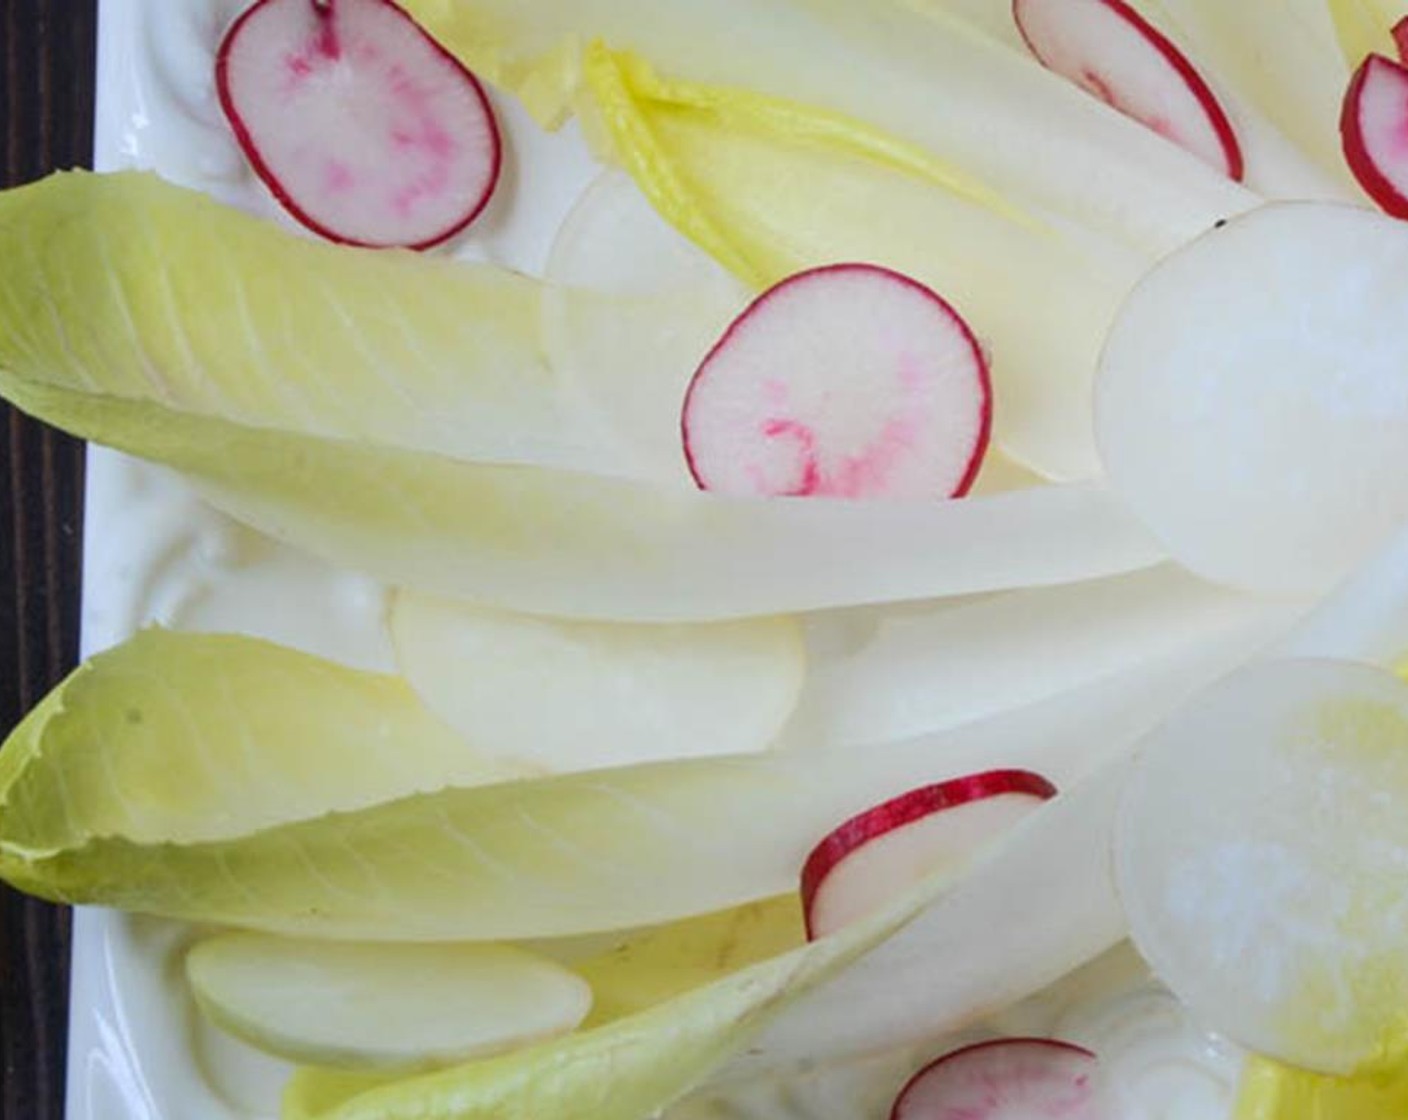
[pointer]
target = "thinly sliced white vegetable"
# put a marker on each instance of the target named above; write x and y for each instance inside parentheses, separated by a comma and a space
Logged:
(1022, 914)
(933, 668)
(1260, 855)
(202, 737)
(1251, 401)
(771, 188)
(527, 538)
(580, 695)
(1365, 618)
(549, 857)
(361, 1005)
(1023, 131)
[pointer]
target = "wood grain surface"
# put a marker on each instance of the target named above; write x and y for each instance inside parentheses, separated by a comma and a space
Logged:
(46, 98)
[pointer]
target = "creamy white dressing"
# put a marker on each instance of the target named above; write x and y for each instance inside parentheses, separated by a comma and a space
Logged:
(155, 554)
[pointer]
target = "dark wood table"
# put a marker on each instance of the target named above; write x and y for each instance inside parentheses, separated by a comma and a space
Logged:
(46, 98)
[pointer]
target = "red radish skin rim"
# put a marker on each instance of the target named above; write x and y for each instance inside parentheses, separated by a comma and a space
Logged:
(1054, 1043)
(879, 820)
(984, 434)
(276, 188)
(1202, 92)
(1356, 151)
(1400, 38)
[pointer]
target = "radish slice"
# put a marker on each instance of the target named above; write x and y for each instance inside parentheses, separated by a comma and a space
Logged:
(848, 381)
(1110, 50)
(1251, 402)
(875, 855)
(1260, 853)
(364, 128)
(1400, 38)
(1006, 1079)
(1374, 127)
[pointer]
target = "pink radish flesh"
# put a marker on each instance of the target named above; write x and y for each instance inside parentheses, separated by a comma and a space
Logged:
(361, 125)
(1110, 50)
(849, 381)
(1374, 128)
(875, 855)
(1007, 1079)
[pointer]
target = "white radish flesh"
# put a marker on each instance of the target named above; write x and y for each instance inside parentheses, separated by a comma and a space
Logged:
(379, 1006)
(847, 381)
(1260, 853)
(1110, 50)
(359, 123)
(1007, 1079)
(580, 695)
(1251, 402)
(1374, 128)
(875, 856)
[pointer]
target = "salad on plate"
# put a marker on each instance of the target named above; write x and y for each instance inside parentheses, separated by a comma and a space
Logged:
(777, 558)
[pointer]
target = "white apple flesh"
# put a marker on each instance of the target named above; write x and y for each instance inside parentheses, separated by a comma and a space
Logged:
(1251, 403)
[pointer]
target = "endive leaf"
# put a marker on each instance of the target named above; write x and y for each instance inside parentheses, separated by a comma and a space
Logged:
(637, 1065)
(124, 286)
(770, 188)
(665, 961)
(368, 496)
(1272, 1091)
(540, 858)
(1005, 122)
(1364, 27)
(627, 1069)
(182, 738)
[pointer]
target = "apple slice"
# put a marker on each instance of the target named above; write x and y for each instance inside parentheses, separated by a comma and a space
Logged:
(848, 381)
(362, 1005)
(364, 128)
(1374, 128)
(1110, 50)
(876, 854)
(1006, 1079)
(1260, 852)
(570, 696)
